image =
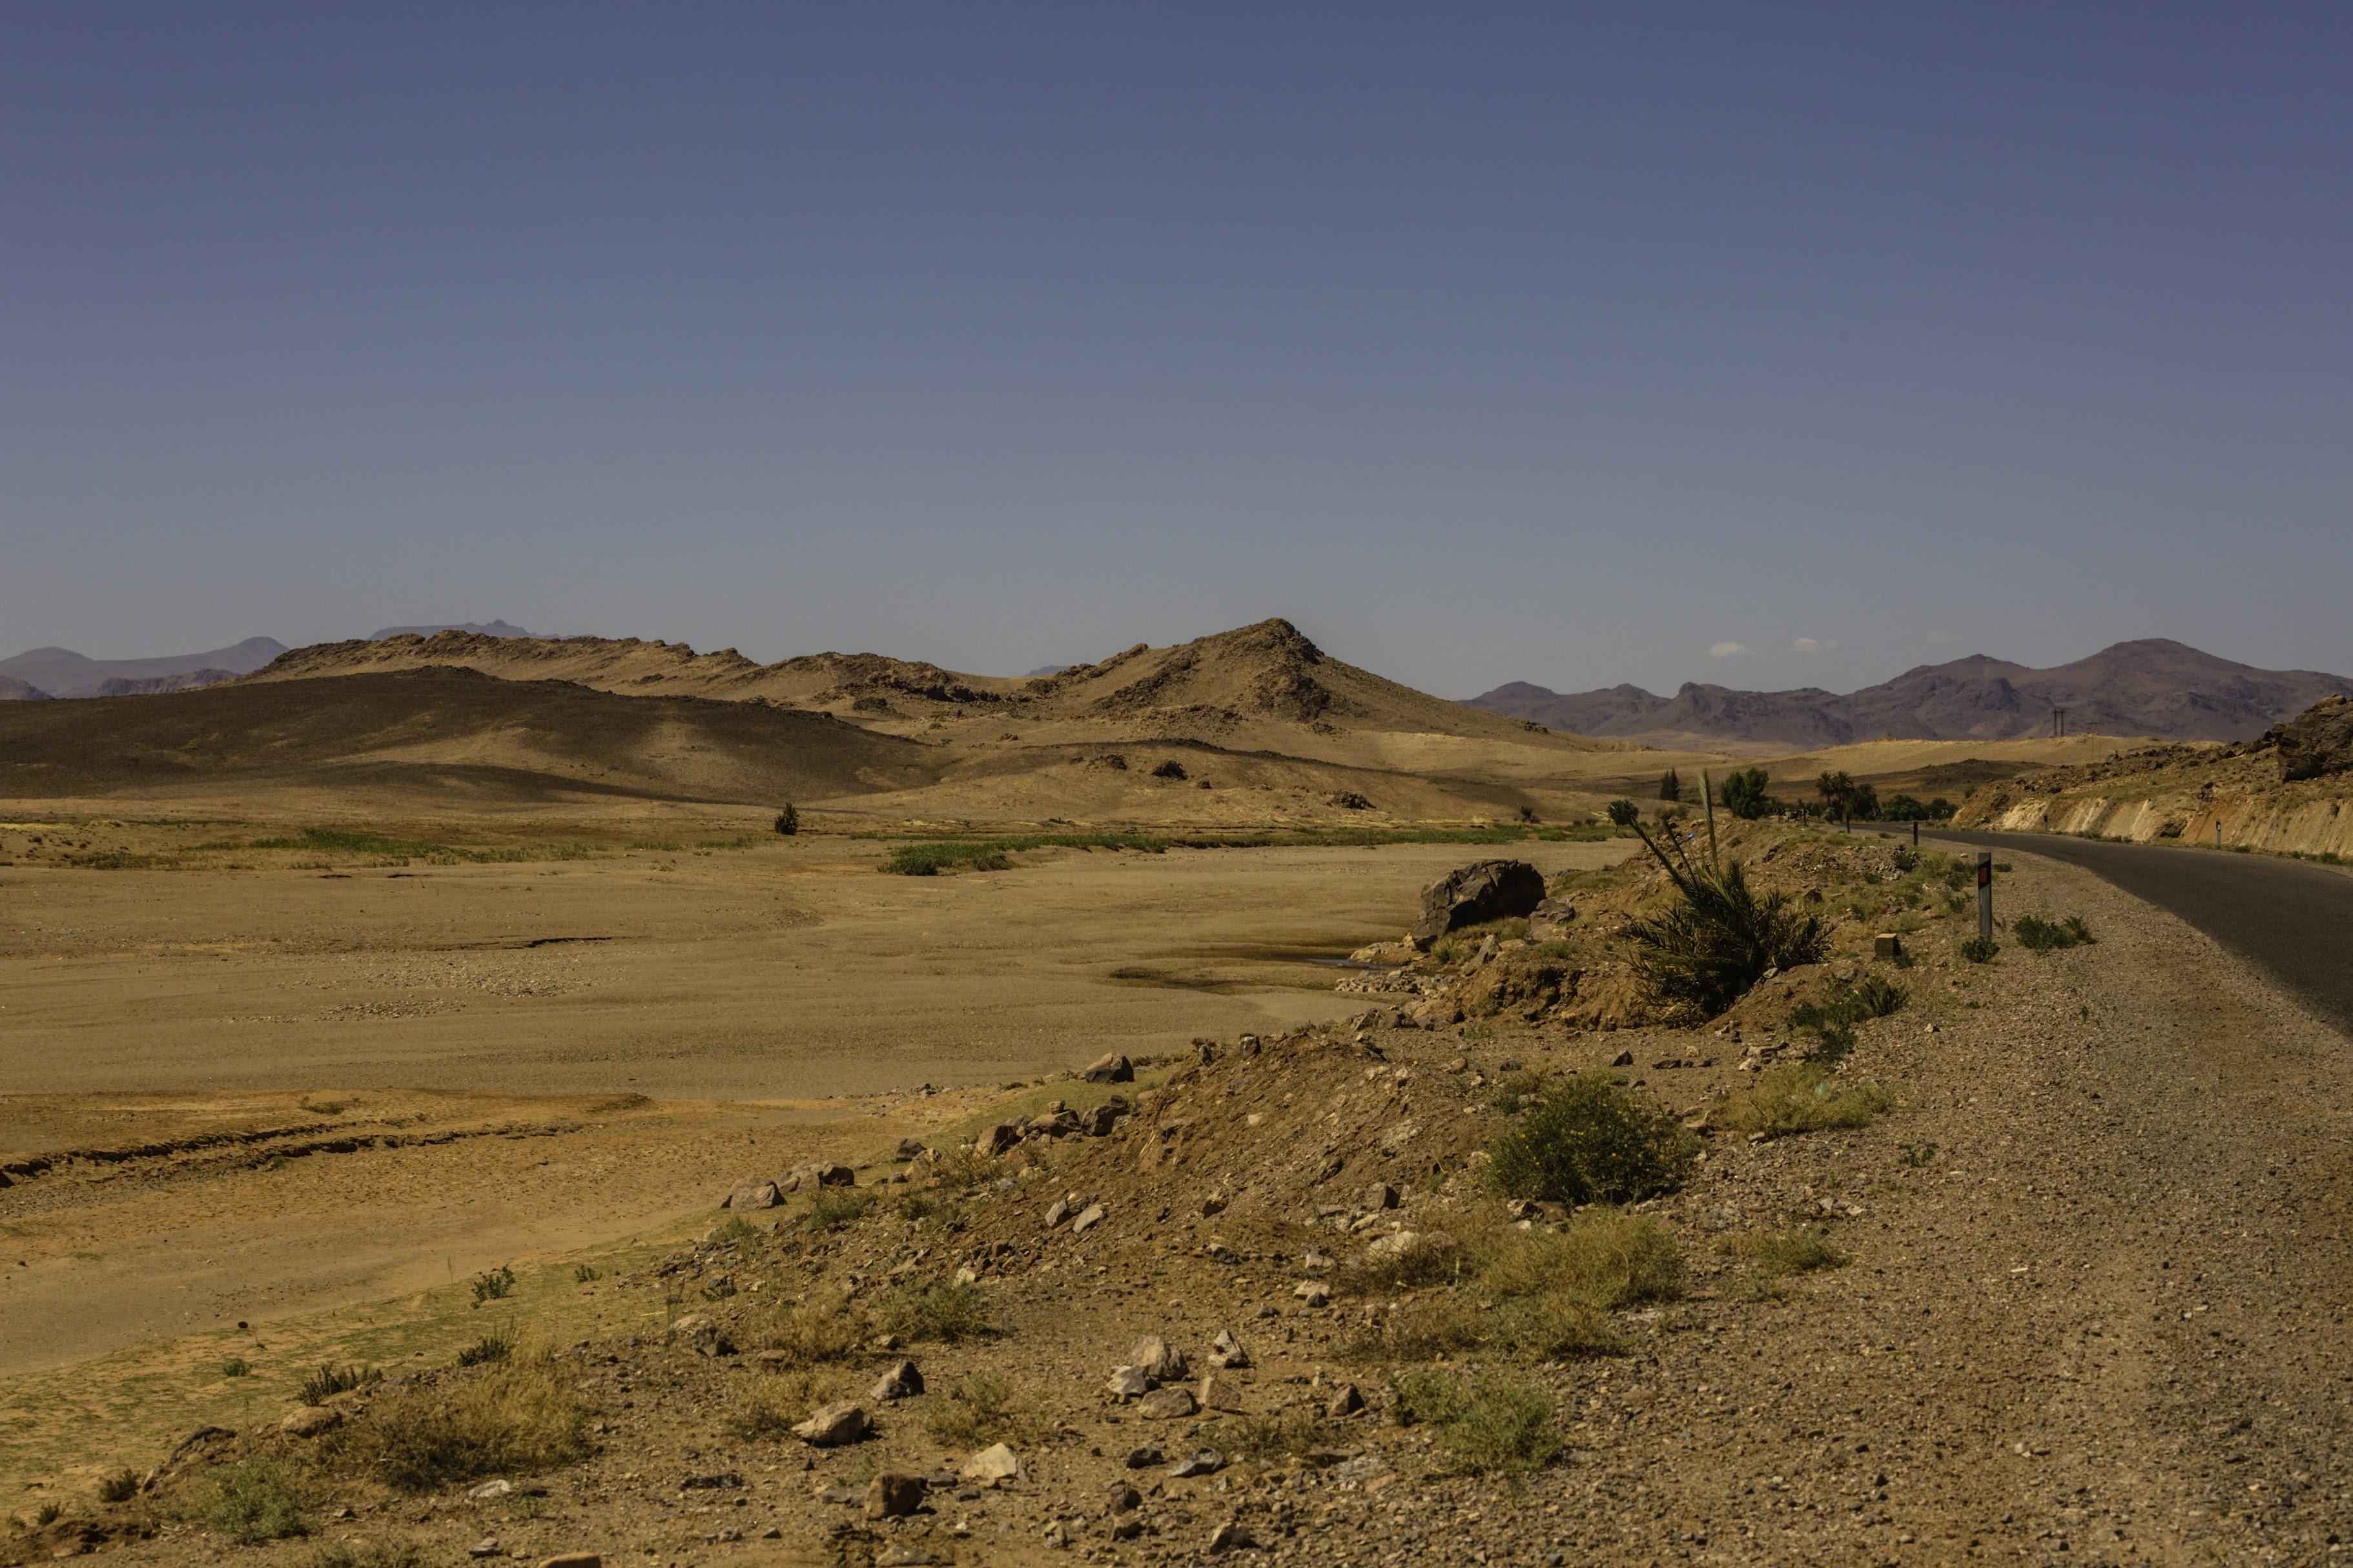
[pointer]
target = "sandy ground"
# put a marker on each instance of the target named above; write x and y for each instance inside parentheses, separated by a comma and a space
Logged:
(787, 971)
(217, 1020)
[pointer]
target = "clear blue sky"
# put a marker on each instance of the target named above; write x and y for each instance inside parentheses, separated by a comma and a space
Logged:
(1562, 344)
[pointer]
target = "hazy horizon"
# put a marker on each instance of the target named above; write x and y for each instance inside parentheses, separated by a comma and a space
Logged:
(1761, 349)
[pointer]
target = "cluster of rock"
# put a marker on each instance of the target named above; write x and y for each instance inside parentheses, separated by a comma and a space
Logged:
(758, 1193)
(1057, 1121)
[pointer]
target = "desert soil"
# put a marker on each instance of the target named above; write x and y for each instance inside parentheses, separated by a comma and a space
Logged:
(2093, 1312)
(206, 1017)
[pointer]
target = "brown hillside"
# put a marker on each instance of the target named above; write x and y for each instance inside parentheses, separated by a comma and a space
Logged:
(452, 734)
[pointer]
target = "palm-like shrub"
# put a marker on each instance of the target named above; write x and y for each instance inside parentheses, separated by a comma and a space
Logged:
(1720, 935)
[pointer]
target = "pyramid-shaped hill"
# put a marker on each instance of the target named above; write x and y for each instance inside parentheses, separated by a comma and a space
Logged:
(1261, 688)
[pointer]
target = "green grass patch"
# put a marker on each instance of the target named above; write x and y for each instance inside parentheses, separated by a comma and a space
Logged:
(2036, 935)
(252, 1501)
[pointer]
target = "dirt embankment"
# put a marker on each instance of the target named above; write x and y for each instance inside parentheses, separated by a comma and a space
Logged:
(2177, 792)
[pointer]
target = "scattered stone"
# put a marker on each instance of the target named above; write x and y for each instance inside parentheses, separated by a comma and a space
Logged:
(899, 1555)
(1101, 1121)
(718, 1482)
(1887, 944)
(488, 1546)
(1232, 1536)
(891, 1495)
(1130, 1527)
(1314, 1292)
(1208, 1462)
(1056, 1213)
(1167, 1405)
(1380, 1195)
(911, 1148)
(817, 1173)
(1216, 1394)
(489, 1489)
(753, 1194)
(1622, 1059)
(1549, 921)
(831, 1426)
(901, 1382)
(572, 1560)
(994, 1463)
(1161, 1361)
(699, 1332)
(1144, 1457)
(1397, 1244)
(1110, 1067)
(1129, 1382)
(1324, 1459)
(1213, 1205)
(1475, 894)
(998, 1139)
(1347, 1400)
(309, 1420)
(1227, 1352)
(1125, 1498)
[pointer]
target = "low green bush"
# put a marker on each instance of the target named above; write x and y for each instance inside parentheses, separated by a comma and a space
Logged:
(252, 1501)
(1790, 1100)
(1980, 949)
(1592, 1140)
(2038, 935)
(947, 1309)
(1491, 1423)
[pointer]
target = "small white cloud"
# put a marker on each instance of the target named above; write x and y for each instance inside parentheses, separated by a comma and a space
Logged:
(1941, 640)
(1730, 650)
(1813, 645)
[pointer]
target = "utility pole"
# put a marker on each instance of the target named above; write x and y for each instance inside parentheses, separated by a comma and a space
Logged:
(1985, 894)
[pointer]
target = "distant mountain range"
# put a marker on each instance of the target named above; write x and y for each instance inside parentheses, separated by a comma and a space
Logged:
(2152, 687)
(43, 672)
(487, 629)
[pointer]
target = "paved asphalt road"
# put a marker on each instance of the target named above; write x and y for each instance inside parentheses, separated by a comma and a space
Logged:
(2291, 920)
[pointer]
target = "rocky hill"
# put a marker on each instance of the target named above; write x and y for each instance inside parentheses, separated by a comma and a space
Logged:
(2153, 686)
(1262, 687)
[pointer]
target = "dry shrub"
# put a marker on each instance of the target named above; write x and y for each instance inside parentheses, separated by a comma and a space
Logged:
(947, 1309)
(1793, 1100)
(1423, 1329)
(1282, 1435)
(521, 1418)
(816, 1333)
(1436, 1258)
(1798, 1250)
(370, 1554)
(980, 1410)
(766, 1409)
(962, 1166)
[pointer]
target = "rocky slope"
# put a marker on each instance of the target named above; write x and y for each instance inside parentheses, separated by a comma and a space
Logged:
(2153, 686)
(2288, 791)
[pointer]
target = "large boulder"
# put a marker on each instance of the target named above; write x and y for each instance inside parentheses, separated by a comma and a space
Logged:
(1475, 894)
(2317, 742)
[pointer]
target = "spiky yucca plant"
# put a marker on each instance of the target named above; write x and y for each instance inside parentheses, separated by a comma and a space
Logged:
(1721, 935)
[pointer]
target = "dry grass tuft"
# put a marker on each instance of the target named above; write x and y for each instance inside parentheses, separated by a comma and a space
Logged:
(1793, 1100)
(825, 1331)
(938, 1309)
(521, 1418)
(766, 1409)
(980, 1410)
